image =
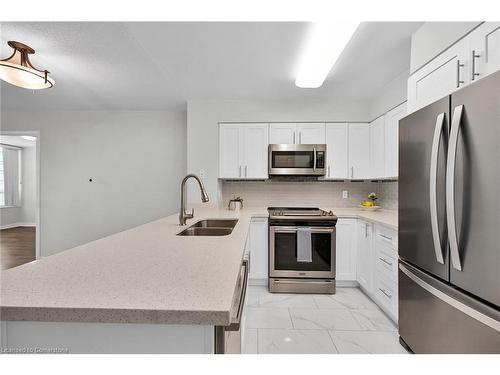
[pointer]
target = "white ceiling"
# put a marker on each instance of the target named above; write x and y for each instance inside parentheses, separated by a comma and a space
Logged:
(161, 65)
(15, 140)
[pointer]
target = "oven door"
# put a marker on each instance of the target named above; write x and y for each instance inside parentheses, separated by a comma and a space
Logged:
(297, 159)
(283, 253)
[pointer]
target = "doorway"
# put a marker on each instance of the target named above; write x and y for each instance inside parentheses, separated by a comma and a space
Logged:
(19, 198)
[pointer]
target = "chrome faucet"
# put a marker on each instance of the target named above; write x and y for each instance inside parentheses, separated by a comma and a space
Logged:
(183, 215)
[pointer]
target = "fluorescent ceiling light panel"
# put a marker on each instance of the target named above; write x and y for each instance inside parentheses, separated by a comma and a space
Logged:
(327, 42)
(28, 137)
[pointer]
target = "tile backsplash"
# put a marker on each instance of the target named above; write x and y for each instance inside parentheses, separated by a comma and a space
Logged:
(310, 193)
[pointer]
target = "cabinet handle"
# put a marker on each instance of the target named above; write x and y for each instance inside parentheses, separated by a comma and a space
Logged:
(386, 237)
(385, 261)
(314, 159)
(366, 230)
(352, 172)
(473, 64)
(293, 137)
(328, 171)
(459, 65)
(385, 293)
(246, 170)
(239, 173)
(300, 138)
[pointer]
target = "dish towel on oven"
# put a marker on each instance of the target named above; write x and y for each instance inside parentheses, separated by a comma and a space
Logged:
(304, 251)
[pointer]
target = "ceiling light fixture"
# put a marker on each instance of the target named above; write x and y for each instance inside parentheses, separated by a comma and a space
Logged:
(18, 70)
(327, 42)
(28, 137)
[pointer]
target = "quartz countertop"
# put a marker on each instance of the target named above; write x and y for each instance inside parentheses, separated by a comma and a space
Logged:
(146, 274)
(388, 218)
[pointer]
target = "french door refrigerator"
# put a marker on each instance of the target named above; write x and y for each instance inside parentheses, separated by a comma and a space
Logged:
(449, 223)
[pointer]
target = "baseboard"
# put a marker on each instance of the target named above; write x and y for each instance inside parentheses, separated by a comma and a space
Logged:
(339, 283)
(258, 282)
(15, 225)
(346, 283)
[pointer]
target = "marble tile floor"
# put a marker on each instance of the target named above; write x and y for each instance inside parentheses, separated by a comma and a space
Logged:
(346, 322)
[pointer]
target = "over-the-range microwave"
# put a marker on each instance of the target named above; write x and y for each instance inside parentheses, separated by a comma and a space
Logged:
(297, 160)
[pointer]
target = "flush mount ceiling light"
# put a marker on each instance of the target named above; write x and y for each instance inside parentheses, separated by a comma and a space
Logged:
(327, 42)
(18, 70)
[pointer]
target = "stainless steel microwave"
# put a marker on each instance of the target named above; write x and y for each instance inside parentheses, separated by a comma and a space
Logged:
(297, 160)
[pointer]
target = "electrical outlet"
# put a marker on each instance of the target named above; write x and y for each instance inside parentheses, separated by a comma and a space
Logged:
(345, 194)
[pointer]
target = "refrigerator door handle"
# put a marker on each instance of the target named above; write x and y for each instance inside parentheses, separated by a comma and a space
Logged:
(473, 313)
(438, 130)
(450, 187)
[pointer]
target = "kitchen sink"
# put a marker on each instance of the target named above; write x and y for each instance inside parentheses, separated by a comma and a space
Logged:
(210, 227)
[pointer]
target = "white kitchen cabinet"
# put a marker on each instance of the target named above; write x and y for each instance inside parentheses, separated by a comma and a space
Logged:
(359, 150)
(377, 148)
(255, 144)
(391, 120)
(365, 256)
(311, 133)
(473, 57)
(345, 260)
(283, 133)
(440, 77)
(386, 270)
(297, 133)
(485, 50)
(259, 254)
(243, 151)
(337, 150)
(229, 151)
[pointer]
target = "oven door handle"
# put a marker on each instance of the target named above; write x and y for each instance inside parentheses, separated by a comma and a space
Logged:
(280, 229)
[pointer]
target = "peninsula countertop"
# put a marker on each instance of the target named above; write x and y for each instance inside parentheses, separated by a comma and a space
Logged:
(146, 274)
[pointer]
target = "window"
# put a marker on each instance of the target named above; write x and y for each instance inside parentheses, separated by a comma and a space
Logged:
(10, 176)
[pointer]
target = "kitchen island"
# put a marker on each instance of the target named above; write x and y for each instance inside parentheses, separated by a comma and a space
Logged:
(144, 290)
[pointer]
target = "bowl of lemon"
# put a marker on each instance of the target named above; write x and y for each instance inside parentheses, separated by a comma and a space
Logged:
(369, 204)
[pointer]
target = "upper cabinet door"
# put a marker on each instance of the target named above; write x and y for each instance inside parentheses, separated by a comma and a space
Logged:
(255, 145)
(337, 151)
(485, 50)
(283, 133)
(229, 151)
(311, 133)
(440, 77)
(359, 151)
(377, 148)
(392, 139)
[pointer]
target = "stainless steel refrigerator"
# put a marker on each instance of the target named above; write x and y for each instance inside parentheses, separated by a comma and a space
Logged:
(449, 223)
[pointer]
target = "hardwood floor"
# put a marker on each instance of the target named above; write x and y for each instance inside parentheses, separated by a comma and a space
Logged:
(17, 246)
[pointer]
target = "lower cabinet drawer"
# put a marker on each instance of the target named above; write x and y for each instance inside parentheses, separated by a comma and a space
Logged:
(387, 236)
(386, 294)
(386, 263)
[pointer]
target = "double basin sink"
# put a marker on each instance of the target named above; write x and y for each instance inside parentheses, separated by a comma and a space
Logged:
(210, 227)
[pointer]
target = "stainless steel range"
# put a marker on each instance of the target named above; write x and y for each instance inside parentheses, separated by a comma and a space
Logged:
(301, 250)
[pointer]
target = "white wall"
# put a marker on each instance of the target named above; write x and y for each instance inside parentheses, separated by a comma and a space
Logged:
(203, 117)
(390, 96)
(434, 37)
(25, 214)
(135, 159)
